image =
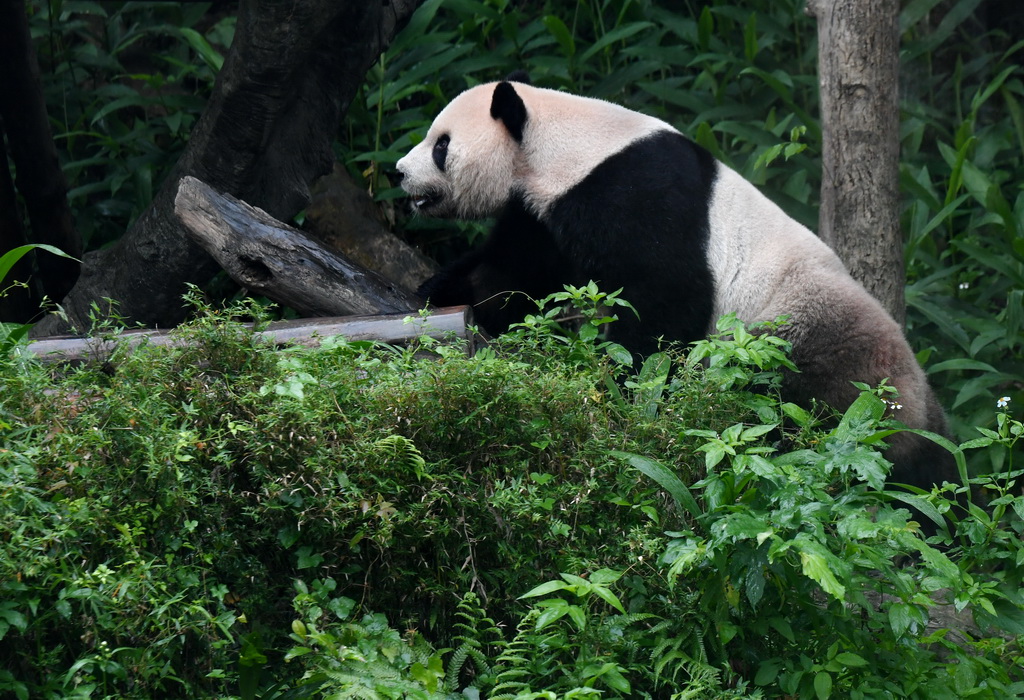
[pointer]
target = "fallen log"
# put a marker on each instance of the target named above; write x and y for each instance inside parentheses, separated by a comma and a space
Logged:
(394, 329)
(282, 263)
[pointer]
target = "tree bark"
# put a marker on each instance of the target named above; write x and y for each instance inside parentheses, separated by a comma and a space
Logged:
(40, 179)
(265, 135)
(283, 263)
(858, 62)
(343, 217)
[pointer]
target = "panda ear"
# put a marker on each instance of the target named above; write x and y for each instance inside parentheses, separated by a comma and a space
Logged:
(508, 106)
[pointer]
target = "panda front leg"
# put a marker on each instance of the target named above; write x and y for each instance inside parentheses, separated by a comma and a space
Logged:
(516, 264)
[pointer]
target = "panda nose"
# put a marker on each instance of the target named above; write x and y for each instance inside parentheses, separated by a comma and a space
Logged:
(399, 175)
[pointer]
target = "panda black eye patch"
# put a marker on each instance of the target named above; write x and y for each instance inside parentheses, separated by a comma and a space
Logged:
(440, 152)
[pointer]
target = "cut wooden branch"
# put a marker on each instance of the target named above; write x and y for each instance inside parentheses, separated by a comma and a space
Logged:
(280, 262)
(395, 329)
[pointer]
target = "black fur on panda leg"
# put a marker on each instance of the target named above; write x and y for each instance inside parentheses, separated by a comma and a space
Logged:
(517, 263)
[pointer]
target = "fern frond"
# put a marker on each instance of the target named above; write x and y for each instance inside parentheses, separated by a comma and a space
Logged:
(477, 632)
(478, 629)
(405, 451)
(513, 657)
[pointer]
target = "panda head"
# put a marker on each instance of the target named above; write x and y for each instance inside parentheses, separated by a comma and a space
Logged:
(470, 162)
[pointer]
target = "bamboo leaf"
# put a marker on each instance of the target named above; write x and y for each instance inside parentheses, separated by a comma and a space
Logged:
(665, 478)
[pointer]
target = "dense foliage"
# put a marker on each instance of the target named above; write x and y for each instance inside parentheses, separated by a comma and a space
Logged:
(185, 524)
(539, 520)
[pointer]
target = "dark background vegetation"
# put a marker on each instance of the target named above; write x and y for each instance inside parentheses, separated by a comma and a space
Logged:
(182, 527)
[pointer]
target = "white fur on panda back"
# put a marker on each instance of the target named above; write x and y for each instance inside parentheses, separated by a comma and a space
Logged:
(754, 248)
(767, 265)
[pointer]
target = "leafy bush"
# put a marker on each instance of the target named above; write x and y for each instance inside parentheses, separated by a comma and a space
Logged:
(184, 526)
(217, 472)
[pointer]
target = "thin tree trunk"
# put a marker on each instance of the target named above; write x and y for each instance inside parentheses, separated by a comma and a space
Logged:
(40, 179)
(858, 62)
(290, 74)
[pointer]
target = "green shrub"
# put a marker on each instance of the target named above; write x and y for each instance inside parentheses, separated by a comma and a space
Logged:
(702, 538)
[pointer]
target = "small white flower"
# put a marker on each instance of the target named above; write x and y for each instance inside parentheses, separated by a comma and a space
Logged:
(1003, 402)
(964, 285)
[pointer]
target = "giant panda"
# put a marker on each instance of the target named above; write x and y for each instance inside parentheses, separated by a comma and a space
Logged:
(584, 189)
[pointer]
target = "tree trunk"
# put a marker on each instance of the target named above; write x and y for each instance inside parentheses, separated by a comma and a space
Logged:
(858, 63)
(40, 179)
(265, 135)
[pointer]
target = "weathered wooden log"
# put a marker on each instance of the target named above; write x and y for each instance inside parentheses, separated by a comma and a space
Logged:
(394, 329)
(282, 263)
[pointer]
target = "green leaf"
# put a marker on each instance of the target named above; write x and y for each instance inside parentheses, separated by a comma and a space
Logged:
(919, 504)
(767, 672)
(866, 407)
(652, 379)
(201, 46)
(550, 615)
(295, 652)
(616, 681)
(11, 257)
(962, 363)
(577, 615)
(307, 559)
(618, 354)
(782, 626)
(705, 28)
(603, 577)
(14, 618)
(900, 618)
(12, 333)
(128, 101)
(561, 33)
(823, 685)
(665, 478)
(578, 582)
(756, 431)
(943, 318)
(608, 597)
(799, 415)
(750, 38)
(743, 525)
(618, 34)
(850, 660)
(545, 588)
(815, 566)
